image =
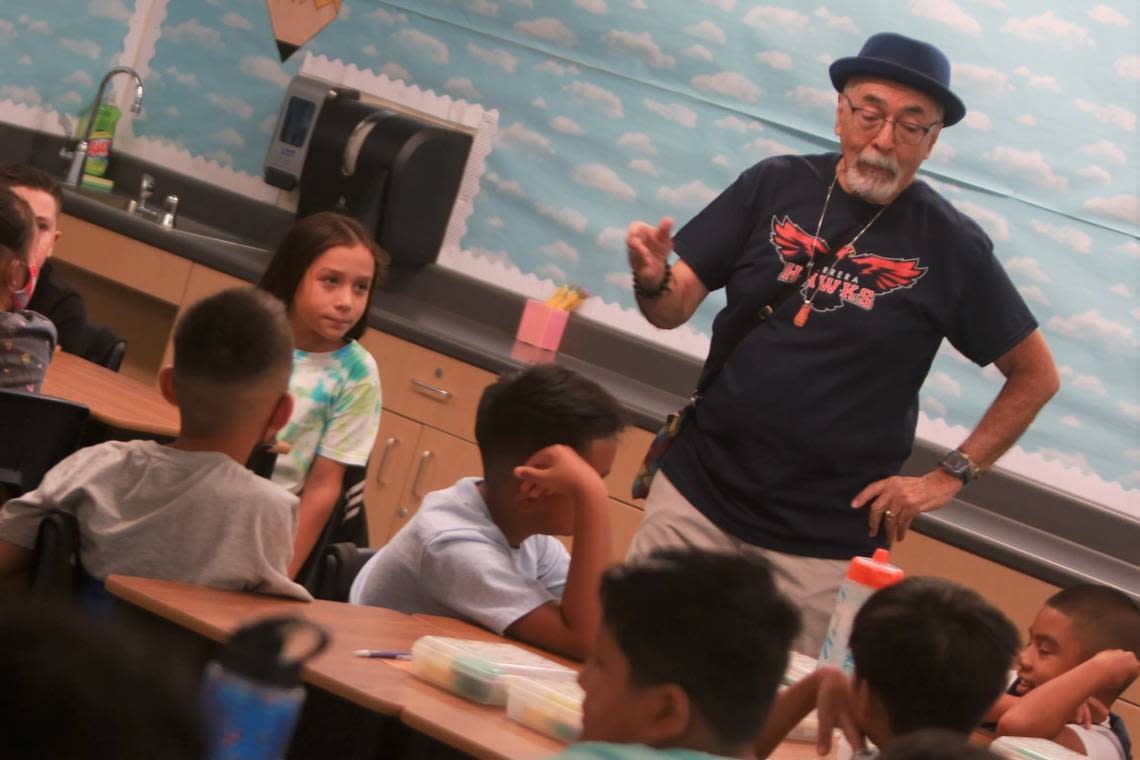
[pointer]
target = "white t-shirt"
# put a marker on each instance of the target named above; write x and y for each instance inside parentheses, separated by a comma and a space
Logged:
(150, 510)
(1100, 743)
(336, 412)
(452, 559)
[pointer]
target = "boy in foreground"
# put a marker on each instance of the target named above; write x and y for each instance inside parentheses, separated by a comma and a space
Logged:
(188, 511)
(1081, 655)
(690, 652)
(484, 549)
(928, 654)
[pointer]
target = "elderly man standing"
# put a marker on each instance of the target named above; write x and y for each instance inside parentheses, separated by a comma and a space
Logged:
(805, 417)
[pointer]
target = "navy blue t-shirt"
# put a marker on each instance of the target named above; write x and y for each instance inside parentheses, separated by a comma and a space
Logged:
(801, 419)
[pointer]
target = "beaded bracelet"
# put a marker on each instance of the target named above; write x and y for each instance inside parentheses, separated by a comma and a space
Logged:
(657, 292)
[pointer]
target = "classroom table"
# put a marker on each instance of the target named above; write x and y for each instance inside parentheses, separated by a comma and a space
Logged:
(386, 687)
(116, 400)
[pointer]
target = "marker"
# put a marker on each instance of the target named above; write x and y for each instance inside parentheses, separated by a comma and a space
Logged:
(383, 654)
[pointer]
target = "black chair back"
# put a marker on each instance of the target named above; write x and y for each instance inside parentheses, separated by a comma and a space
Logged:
(347, 524)
(36, 432)
(340, 566)
(103, 346)
(262, 460)
(56, 572)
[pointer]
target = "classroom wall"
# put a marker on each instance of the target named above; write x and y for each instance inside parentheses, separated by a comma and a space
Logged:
(614, 110)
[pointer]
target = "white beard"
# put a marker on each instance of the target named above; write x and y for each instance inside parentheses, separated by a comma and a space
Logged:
(870, 185)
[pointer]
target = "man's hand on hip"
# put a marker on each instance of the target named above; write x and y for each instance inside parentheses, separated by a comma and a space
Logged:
(893, 503)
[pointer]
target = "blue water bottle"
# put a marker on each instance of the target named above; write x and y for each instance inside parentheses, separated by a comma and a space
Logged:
(252, 695)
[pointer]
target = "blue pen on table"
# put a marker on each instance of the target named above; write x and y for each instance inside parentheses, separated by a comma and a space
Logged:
(383, 654)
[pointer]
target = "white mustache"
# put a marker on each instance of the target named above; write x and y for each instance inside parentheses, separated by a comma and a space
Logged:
(878, 162)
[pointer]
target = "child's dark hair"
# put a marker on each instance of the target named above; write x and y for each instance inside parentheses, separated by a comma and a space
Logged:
(23, 175)
(714, 624)
(223, 347)
(17, 225)
(1102, 617)
(935, 744)
(76, 686)
(540, 406)
(936, 654)
(307, 239)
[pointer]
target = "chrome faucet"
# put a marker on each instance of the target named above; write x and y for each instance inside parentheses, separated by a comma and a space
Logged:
(79, 159)
(165, 217)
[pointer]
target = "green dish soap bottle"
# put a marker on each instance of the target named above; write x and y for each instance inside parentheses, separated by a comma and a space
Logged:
(102, 135)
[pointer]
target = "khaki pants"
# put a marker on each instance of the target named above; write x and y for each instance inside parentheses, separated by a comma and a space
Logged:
(671, 522)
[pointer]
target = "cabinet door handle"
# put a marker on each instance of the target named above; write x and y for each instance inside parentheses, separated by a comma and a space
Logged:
(389, 444)
(424, 459)
(431, 390)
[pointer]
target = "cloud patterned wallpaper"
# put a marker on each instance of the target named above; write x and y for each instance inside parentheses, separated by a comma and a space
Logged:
(614, 110)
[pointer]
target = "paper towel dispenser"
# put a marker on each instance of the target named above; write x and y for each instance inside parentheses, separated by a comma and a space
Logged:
(396, 171)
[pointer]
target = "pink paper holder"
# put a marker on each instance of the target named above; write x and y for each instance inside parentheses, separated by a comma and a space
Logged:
(542, 325)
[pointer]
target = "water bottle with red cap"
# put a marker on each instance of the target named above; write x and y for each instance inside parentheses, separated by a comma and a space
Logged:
(865, 576)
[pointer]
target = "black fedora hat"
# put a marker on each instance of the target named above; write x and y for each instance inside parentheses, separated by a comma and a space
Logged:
(901, 59)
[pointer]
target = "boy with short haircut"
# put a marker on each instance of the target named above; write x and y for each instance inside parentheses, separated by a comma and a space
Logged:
(188, 511)
(690, 652)
(1081, 655)
(928, 653)
(484, 549)
(45, 293)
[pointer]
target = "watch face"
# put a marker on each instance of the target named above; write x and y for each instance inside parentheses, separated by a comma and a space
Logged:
(957, 465)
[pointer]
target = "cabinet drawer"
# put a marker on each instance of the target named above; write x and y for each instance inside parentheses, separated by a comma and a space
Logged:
(428, 387)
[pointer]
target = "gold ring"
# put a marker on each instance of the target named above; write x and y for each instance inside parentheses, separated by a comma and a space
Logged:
(887, 514)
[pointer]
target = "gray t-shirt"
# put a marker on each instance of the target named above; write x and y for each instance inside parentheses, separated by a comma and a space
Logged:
(452, 559)
(150, 510)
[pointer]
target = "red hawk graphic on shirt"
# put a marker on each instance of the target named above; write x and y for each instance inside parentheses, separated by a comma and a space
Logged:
(851, 277)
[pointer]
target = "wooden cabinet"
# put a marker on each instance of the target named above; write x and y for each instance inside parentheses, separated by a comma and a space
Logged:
(131, 287)
(202, 282)
(426, 386)
(439, 460)
(387, 471)
(632, 445)
(409, 461)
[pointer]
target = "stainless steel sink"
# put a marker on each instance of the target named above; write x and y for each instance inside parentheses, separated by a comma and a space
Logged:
(183, 225)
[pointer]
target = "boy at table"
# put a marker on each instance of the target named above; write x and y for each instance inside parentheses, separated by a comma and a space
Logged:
(1082, 653)
(691, 650)
(484, 549)
(189, 511)
(928, 654)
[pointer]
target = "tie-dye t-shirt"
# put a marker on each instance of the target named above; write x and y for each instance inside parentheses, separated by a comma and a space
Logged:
(336, 411)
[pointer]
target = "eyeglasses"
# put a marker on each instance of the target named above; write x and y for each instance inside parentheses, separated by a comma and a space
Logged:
(871, 121)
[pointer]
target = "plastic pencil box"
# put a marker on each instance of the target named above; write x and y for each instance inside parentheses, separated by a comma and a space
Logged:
(553, 708)
(480, 670)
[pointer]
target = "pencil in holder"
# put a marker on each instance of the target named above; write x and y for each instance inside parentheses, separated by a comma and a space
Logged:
(542, 325)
